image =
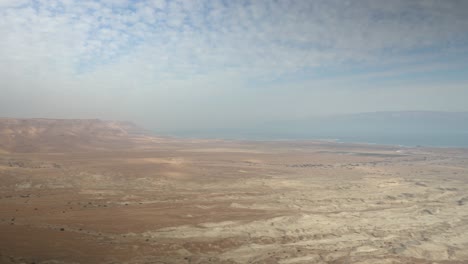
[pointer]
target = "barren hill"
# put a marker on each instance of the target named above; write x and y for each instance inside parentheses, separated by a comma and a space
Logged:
(43, 135)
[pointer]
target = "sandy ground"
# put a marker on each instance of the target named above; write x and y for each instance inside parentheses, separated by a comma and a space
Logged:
(236, 202)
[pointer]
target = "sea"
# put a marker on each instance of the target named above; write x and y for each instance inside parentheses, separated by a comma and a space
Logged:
(442, 140)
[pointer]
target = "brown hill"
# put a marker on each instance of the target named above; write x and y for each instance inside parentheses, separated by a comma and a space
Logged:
(57, 135)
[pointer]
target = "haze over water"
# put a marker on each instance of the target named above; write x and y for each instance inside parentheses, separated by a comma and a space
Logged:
(209, 65)
(416, 128)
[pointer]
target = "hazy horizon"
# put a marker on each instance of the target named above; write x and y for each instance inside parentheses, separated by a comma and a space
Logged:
(206, 65)
(260, 131)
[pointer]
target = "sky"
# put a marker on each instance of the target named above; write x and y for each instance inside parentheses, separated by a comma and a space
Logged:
(178, 65)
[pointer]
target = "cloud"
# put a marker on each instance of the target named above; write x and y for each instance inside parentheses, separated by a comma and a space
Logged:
(12, 3)
(133, 49)
(255, 36)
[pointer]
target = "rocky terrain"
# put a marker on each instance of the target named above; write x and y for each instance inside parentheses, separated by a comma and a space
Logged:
(59, 135)
(88, 191)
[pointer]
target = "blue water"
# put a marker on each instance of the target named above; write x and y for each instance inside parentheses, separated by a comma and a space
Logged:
(439, 140)
(457, 140)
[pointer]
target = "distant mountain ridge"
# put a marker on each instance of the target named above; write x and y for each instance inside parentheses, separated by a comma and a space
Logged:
(41, 134)
(397, 121)
(409, 128)
(429, 128)
(410, 115)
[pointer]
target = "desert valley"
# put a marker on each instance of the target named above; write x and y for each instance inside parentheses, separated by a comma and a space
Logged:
(91, 191)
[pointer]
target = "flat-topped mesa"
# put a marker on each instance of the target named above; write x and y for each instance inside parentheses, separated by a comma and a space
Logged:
(57, 135)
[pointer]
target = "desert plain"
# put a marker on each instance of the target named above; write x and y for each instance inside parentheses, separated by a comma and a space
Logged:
(100, 192)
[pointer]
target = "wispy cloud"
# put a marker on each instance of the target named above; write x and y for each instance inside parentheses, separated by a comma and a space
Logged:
(151, 45)
(206, 35)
